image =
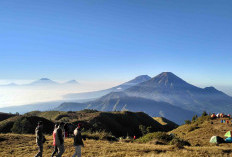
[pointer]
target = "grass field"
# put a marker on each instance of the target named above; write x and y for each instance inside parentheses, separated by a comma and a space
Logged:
(12, 145)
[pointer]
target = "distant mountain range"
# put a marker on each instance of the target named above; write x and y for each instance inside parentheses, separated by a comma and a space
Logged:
(43, 82)
(97, 94)
(119, 101)
(165, 95)
(167, 87)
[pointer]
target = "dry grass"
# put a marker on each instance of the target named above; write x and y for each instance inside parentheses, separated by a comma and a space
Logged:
(24, 146)
(200, 134)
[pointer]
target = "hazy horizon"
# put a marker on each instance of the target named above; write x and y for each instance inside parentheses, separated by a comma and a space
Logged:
(23, 95)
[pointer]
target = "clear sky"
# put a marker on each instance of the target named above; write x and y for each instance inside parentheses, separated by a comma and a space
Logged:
(116, 39)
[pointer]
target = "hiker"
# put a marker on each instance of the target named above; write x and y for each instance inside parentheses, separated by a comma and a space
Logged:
(66, 130)
(78, 142)
(71, 128)
(59, 140)
(134, 137)
(54, 139)
(40, 139)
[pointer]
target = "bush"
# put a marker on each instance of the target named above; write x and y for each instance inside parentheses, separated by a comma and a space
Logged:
(163, 138)
(59, 117)
(202, 119)
(21, 126)
(194, 118)
(204, 114)
(143, 130)
(99, 135)
(155, 135)
(27, 125)
(179, 142)
(187, 122)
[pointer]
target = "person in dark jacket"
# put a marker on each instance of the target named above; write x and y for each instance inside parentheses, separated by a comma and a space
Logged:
(78, 142)
(54, 140)
(40, 139)
(59, 140)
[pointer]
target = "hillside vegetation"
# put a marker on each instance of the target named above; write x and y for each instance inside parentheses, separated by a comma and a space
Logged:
(191, 139)
(4, 116)
(25, 124)
(167, 124)
(199, 132)
(115, 123)
(24, 145)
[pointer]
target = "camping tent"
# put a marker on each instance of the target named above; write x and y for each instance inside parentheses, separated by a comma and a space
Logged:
(216, 139)
(228, 140)
(228, 134)
(213, 115)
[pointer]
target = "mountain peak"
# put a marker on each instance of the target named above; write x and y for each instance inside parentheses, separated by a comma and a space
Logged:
(143, 77)
(167, 74)
(168, 78)
(44, 79)
(140, 79)
(211, 90)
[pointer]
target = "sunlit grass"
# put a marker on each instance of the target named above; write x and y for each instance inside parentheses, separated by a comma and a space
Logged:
(24, 145)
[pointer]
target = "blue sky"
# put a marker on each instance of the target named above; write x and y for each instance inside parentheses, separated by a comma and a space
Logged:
(116, 39)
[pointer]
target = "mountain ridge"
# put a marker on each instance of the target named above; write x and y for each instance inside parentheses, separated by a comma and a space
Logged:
(97, 94)
(170, 88)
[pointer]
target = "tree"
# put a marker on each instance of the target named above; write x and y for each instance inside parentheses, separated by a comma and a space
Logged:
(194, 118)
(204, 114)
(149, 129)
(187, 122)
(143, 130)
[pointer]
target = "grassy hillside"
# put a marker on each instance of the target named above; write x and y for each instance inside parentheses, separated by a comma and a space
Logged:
(199, 132)
(50, 115)
(167, 124)
(116, 123)
(24, 145)
(24, 124)
(6, 125)
(4, 116)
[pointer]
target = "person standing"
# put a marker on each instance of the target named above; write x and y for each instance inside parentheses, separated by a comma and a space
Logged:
(40, 139)
(54, 140)
(59, 140)
(78, 142)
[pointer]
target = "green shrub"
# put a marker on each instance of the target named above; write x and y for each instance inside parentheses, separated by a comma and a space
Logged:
(202, 119)
(204, 114)
(179, 142)
(155, 135)
(99, 135)
(187, 122)
(163, 137)
(194, 118)
(27, 125)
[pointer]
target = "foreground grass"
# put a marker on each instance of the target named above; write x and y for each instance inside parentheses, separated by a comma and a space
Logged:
(24, 145)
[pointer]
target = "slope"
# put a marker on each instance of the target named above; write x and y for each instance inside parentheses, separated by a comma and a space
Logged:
(167, 87)
(97, 94)
(119, 101)
(199, 132)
